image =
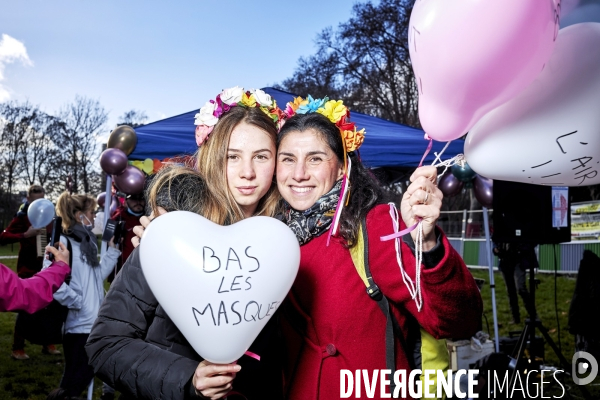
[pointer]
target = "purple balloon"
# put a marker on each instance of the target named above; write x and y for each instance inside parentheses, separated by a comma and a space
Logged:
(484, 190)
(113, 161)
(100, 199)
(450, 185)
(131, 181)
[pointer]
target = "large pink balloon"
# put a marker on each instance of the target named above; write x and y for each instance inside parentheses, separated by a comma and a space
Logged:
(469, 57)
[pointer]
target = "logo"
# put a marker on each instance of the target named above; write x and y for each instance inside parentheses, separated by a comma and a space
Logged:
(584, 364)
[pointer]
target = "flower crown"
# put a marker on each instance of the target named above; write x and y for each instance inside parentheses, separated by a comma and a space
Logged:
(337, 113)
(236, 96)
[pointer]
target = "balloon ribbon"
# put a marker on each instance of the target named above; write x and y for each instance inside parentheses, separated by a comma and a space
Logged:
(253, 355)
(403, 232)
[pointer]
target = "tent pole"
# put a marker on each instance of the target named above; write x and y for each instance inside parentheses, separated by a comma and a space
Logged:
(488, 243)
(107, 203)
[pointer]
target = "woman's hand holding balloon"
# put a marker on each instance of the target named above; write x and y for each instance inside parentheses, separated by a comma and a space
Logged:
(422, 201)
(213, 381)
(144, 221)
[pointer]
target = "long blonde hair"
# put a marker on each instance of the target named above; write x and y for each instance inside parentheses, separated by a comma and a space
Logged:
(211, 160)
(68, 205)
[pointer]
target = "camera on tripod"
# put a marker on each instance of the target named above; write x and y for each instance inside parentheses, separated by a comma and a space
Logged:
(524, 216)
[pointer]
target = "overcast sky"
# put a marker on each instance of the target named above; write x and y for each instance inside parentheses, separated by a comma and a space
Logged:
(164, 58)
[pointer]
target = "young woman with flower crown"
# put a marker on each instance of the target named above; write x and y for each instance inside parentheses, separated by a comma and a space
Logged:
(134, 346)
(330, 322)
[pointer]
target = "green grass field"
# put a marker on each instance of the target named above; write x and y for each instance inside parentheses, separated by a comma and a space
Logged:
(545, 306)
(32, 379)
(9, 250)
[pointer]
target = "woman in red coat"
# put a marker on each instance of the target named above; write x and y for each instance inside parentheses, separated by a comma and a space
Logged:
(330, 322)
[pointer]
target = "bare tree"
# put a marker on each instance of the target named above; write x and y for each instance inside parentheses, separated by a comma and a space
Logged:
(15, 121)
(366, 62)
(133, 118)
(82, 122)
(41, 157)
(317, 75)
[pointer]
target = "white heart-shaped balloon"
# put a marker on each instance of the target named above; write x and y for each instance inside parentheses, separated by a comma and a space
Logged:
(550, 133)
(219, 284)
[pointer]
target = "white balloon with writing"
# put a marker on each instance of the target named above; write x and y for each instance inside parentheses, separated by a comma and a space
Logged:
(219, 284)
(550, 133)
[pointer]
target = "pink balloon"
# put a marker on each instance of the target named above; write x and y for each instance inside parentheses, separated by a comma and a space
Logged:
(131, 181)
(469, 57)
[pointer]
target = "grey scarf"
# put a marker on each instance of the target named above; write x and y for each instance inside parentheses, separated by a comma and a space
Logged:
(88, 245)
(316, 220)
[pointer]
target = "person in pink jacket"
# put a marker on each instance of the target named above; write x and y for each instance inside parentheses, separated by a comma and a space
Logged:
(33, 294)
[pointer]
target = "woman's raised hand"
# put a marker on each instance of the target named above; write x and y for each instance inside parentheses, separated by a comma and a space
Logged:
(423, 201)
(60, 254)
(144, 221)
(213, 381)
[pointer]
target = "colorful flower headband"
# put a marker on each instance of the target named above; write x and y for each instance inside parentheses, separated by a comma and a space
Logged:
(236, 96)
(337, 113)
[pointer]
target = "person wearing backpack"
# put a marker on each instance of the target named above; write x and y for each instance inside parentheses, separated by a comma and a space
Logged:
(393, 311)
(84, 294)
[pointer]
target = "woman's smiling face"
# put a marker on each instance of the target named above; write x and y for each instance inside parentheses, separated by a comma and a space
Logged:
(307, 168)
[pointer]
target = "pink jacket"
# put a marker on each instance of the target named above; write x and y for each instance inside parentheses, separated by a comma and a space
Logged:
(30, 294)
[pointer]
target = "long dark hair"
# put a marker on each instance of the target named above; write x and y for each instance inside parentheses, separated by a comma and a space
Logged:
(365, 191)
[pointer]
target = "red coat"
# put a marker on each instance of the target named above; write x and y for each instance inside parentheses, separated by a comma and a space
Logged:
(345, 328)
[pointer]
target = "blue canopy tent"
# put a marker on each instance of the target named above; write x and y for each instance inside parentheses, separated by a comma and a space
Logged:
(387, 144)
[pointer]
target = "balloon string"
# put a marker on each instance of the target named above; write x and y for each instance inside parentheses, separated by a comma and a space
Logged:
(342, 200)
(439, 156)
(403, 232)
(429, 146)
(234, 393)
(253, 355)
(397, 234)
(458, 159)
(413, 288)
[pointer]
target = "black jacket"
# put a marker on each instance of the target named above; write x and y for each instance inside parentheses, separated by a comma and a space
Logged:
(136, 348)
